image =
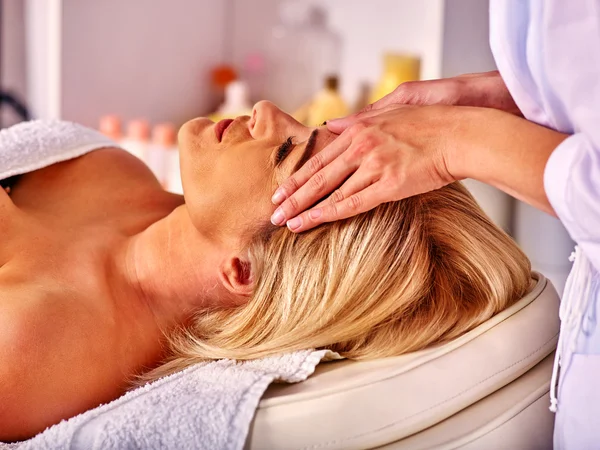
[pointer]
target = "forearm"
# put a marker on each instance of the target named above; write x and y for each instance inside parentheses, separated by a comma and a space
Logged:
(504, 151)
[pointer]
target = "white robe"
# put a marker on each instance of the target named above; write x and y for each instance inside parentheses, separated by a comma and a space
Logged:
(548, 53)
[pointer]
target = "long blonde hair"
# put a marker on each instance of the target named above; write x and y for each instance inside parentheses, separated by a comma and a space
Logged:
(406, 275)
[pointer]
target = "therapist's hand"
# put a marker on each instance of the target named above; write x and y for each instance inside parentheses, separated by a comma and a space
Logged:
(385, 156)
(485, 90)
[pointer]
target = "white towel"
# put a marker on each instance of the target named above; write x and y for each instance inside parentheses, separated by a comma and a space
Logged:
(30, 146)
(207, 406)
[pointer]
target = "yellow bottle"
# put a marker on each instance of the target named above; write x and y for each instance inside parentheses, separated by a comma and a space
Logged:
(397, 69)
(327, 104)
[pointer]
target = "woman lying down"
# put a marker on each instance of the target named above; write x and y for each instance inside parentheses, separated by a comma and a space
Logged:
(106, 280)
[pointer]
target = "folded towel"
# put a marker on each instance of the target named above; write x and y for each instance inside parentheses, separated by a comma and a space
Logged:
(30, 146)
(207, 406)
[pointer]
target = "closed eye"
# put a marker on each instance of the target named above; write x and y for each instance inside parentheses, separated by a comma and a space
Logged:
(283, 151)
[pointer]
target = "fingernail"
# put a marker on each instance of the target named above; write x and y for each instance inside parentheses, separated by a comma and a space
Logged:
(294, 223)
(278, 197)
(278, 218)
(315, 213)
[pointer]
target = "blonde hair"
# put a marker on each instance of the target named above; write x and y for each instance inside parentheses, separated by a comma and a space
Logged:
(406, 275)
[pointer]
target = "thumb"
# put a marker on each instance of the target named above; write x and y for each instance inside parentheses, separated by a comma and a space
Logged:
(337, 126)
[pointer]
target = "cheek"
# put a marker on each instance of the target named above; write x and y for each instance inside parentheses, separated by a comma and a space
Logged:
(243, 198)
(195, 145)
(196, 160)
(193, 130)
(230, 197)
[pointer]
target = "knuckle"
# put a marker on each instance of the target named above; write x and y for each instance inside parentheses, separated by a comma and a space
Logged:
(337, 196)
(411, 93)
(369, 141)
(354, 202)
(367, 109)
(375, 162)
(361, 147)
(409, 86)
(390, 183)
(318, 182)
(294, 205)
(401, 92)
(290, 186)
(355, 152)
(315, 163)
(332, 211)
(357, 128)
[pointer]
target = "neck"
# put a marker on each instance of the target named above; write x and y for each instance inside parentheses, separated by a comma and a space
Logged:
(170, 266)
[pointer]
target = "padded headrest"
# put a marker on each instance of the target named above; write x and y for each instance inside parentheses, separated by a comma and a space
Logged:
(348, 404)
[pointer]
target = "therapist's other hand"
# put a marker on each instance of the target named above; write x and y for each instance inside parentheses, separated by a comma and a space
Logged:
(485, 90)
(385, 156)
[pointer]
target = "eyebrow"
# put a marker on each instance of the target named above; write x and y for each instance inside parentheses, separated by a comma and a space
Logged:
(310, 146)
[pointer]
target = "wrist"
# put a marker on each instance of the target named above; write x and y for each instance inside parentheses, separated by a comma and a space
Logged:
(504, 151)
(465, 146)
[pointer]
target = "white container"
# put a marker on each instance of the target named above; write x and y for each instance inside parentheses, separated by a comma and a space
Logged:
(165, 142)
(174, 184)
(302, 51)
(157, 154)
(110, 126)
(237, 100)
(137, 139)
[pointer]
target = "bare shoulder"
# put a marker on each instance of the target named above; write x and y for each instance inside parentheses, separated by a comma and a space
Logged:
(105, 183)
(52, 363)
(113, 164)
(18, 390)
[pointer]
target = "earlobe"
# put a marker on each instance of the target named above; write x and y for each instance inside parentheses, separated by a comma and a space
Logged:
(236, 276)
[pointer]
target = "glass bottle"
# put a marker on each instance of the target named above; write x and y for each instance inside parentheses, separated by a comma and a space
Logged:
(302, 51)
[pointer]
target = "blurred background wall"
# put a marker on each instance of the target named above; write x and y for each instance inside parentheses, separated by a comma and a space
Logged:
(152, 57)
(465, 42)
(367, 29)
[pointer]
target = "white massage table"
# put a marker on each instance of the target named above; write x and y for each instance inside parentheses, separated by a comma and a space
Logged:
(485, 390)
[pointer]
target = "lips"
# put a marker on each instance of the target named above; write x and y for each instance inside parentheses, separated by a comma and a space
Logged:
(221, 126)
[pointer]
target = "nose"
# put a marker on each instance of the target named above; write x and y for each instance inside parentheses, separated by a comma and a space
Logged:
(268, 120)
(263, 111)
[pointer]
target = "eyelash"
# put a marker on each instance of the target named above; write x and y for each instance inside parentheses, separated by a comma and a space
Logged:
(283, 150)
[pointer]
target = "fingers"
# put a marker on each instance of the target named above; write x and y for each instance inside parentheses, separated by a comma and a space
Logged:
(357, 182)
(403, 95)
(338, 126)
(318, 186)
(356, 203)
(312, 166)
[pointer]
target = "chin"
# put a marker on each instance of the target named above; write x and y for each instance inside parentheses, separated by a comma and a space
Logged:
(192, 137)
(193, 128)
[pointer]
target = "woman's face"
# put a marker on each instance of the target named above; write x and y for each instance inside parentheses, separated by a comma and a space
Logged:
(229, 176)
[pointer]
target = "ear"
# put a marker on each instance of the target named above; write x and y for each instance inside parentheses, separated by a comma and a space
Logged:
(235, 274)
